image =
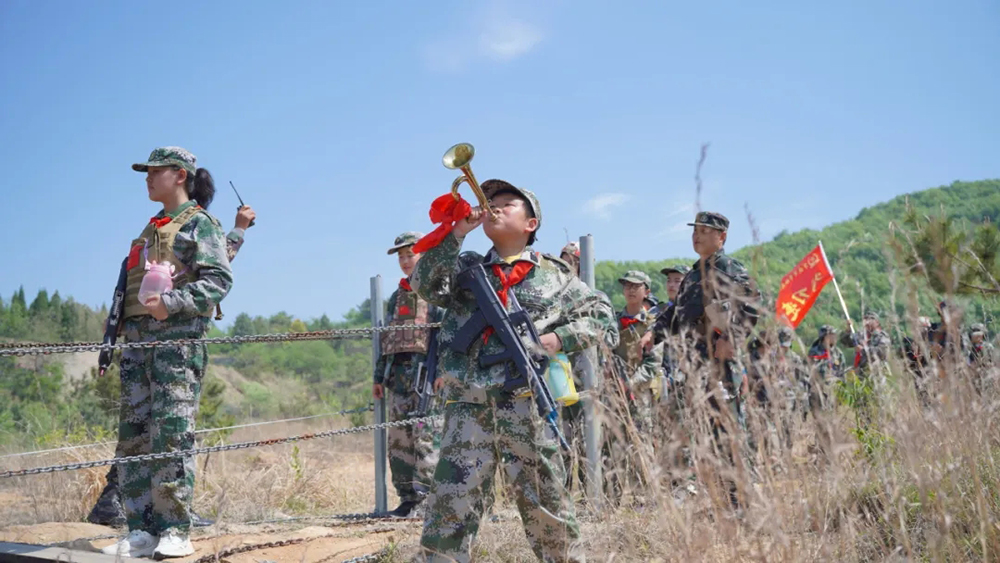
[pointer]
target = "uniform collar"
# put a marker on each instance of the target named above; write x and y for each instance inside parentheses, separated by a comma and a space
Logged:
(179, 210)
(528, 255)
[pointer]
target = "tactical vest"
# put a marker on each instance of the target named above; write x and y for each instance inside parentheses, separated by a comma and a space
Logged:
(158, 243)
(628, 343)
(410, 309)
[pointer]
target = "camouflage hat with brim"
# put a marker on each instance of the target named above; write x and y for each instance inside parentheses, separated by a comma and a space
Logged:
(826, 329)
(978, 328)
(571, 248)
(635, 276)
(169, 156)
(408, 238)
(680, 269)
(871, 316)
(711, 219)
(494, 187)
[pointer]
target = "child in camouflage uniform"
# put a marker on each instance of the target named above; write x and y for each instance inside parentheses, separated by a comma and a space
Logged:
(161, 386)
(412, 449)
(487, 427)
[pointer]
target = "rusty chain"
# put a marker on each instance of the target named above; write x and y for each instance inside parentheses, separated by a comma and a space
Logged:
(211, 449)
(35, 349)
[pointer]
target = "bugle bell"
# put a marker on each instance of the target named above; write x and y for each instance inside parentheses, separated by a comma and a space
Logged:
(458, 157)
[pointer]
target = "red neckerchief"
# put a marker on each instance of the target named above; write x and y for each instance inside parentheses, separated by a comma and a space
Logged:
(628, 321)
(404, 284)
(857, 352)
(824, 356)
(507, 281)
(161, 221)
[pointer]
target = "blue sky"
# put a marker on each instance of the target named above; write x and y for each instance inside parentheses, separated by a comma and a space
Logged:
(331, 118)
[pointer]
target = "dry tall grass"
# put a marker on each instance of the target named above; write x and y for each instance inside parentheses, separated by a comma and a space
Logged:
(919, 481)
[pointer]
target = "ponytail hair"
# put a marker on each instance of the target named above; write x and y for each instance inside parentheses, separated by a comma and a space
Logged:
(201, 187)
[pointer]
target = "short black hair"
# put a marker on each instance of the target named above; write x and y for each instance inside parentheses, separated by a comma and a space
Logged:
(527, 207)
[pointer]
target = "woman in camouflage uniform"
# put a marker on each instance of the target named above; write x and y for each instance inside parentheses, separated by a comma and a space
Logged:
(161, 386)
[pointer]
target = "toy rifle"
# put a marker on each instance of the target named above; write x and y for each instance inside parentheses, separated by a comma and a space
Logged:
(114, 319)
(530, 365)
(426, 376)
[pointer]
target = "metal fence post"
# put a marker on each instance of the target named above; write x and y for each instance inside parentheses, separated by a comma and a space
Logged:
(381, 453)
(592, 426)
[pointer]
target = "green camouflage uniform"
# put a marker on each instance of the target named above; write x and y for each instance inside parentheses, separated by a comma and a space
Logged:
(872, 349)
(412, 448)
(827, 367)
(716, 299)
(486, 425)
(108, 509)
(728, 291)
(161, 386)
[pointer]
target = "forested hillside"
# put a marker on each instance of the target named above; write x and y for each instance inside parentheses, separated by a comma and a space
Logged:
(861, 253)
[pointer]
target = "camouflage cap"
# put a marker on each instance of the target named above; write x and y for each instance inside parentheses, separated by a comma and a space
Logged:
(492, 187)
(571, 248)
(169, 156)
(652, 300)
(409, 238)
(679, 269)
(977, 328)
(871, 316)
(711, 219)
(635, 276)
(826, 329)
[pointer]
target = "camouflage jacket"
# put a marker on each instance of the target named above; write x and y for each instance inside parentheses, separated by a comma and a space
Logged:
(727, 293)
(639, 366)
(202, 247)
(876, 342)
(828, 363)
(434, 315)
(771, 373)
(556, 300)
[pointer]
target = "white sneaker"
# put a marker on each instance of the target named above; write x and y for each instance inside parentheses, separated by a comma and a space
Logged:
(136, 544)
(173, 544)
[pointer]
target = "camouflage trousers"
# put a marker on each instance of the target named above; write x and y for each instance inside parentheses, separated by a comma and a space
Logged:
(413, 449)
(159, 401)
(477, 439)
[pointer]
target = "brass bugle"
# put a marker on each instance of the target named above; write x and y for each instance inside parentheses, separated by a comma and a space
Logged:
(458, 157)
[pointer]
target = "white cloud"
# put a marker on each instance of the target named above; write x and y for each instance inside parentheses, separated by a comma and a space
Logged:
(505, 39)
(493, 32)
(600, 205)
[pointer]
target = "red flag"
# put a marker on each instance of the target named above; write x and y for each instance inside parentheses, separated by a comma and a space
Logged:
(801, 286)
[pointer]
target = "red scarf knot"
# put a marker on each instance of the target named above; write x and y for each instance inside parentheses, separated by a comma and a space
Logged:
(507, 281)
(628, 321)
(405, 284)
(161, 221)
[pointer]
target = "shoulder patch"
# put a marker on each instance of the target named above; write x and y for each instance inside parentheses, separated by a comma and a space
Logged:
(211, 217)
(555, 261)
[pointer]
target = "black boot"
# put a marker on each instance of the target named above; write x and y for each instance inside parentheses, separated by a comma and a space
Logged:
(404, 508)
(199, 521)
(109, 510)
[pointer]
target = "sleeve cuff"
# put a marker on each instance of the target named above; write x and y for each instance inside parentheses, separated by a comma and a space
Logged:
(236, 234)
(171, 302)
(568, 340)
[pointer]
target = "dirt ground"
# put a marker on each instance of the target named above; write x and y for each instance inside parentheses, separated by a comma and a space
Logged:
(318, 543)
